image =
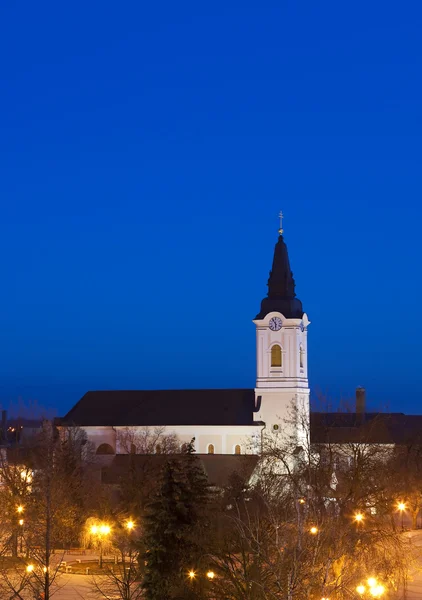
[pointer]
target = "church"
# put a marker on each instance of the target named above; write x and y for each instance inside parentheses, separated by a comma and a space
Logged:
(233, 421)
(222, 421)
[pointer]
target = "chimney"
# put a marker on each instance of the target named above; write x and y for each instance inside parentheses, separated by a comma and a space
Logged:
(360, 403)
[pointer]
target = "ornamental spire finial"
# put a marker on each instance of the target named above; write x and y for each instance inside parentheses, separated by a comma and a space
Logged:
(280, 231)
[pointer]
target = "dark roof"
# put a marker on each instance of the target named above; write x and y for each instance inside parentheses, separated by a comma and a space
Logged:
(376, 428)
(163, 407)
(281, 287)
(218, 467)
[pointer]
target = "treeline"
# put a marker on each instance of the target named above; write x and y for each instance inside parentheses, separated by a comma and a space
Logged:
(312, 522)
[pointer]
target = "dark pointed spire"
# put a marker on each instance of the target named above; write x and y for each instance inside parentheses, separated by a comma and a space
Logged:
(281, 286)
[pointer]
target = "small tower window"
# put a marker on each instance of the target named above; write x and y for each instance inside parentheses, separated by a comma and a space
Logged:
(237, 449)
(211, 448)
(301, 356)
(276, 357)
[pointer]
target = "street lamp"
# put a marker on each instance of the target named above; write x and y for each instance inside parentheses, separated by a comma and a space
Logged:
(101, 532)
(313, 530)
(210, 574)
(358, 517)
(19, 509)
(129, 525)
(191, 574)
(374, 589)
(401, 507)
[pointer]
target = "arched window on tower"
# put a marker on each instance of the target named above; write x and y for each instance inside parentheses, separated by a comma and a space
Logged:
(211, 448)
(301, 356)
(237, 449)
(276, 356)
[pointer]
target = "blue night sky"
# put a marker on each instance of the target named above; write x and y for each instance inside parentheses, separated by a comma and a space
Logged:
(146, 149)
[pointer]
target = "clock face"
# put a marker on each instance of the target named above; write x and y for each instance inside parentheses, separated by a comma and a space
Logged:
(275, 324)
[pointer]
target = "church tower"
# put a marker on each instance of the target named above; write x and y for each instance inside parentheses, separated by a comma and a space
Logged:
(282, 392)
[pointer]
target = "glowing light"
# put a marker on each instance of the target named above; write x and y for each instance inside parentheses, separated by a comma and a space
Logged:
(377, 591)
(313, 530)
(360, 589)
(30, 568)
(302, 500)
(26, 475)
(19, 509)
(358, 517)
(372, 582)
(192, 574)
(94, 529)
(105, 529)
(130, 525)
(20, 521)
(401, 506)
(210, 574)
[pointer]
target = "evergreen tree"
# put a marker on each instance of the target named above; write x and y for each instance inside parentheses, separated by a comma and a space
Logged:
(174, 527)
(166, 522)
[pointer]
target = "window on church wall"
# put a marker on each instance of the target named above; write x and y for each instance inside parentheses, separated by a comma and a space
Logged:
(158, 449)
(132, 449)
(276, 356)
(105, 449)
(211, 449)
(237, 449)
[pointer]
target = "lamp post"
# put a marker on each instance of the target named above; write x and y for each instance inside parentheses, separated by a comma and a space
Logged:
(401, 507)
(100, 532)
(358, 517)
(372, 589)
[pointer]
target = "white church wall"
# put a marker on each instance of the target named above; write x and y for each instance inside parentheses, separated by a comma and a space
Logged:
(101, 435)
(224, 438)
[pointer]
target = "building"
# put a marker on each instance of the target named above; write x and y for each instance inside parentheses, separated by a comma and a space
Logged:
(222, 421)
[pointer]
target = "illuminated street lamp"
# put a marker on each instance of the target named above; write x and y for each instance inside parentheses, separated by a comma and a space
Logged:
(191, 574)
(19, 509)
(130, 525)
(358, 517)
(401, 507)
(373, 588)
(210, 574)
(100, 532)
(313, 530)
(29, 568)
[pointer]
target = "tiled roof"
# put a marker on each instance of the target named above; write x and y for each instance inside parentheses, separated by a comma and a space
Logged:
(163, 407)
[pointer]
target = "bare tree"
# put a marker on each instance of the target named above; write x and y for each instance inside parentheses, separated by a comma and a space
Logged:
(122, 578)
(316, 522)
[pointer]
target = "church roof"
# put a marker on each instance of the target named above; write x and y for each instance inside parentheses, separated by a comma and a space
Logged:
(281, 287)
(163, 407)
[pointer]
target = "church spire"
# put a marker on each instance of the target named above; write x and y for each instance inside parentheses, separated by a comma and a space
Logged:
(281, 285)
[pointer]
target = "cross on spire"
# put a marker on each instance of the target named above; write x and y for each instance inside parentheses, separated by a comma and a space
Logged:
(280, 231)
